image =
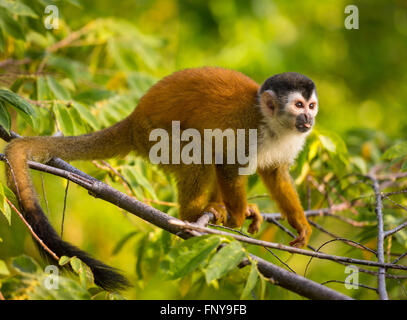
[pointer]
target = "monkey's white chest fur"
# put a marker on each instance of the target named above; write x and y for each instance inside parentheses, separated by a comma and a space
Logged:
(278, 149)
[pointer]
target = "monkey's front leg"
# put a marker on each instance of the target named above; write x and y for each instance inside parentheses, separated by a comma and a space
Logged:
(279, 183)
(232, 187)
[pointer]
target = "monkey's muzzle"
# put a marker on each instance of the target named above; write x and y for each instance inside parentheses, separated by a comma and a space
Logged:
(304, 122)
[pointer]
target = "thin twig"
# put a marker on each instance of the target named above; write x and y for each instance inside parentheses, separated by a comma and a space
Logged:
(32, 231)
(346, 241)
(329, 212)
(44, 194)
(399, 258)
(64, 209)
(394, 192)
(380, 238)
(344, 282)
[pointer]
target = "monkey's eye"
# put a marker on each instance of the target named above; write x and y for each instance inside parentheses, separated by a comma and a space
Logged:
(312, 105)
(299, 105)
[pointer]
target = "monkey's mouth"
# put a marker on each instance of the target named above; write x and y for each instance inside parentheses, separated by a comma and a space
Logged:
(303, 127)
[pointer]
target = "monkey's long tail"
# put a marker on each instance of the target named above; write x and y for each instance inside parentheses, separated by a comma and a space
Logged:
(106, 143)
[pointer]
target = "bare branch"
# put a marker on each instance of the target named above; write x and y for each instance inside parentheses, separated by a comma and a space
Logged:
(380, 237)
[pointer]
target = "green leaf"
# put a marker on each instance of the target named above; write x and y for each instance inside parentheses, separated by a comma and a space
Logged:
(2, 40)
(43, 91)
(76, 3)
(190, 254)
(13, 286)
(63, 119)
(85, 275)
(313, 150)
(94, 95)
(3, 269)
(327, 143)
(25, 264)
(87, 115)
(57, 89)
(76, 264)
(18, 8)
(11, 26)
(64, 260)
(139, 253)
(16, 101)
(4, 206)
(224, 260)
(360, 163)
(397, 151)
(77, 121)
(75, 70)
(136, 176)
(123, 241)
(23, 108)
(5, 120)
(251, 281)
(10, 195)
(128, 174)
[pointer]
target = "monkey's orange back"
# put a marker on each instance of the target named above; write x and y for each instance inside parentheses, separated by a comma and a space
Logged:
(200, 98)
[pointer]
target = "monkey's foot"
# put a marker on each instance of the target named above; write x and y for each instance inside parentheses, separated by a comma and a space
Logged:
(219, 211)
(253, 212)
(304, 233)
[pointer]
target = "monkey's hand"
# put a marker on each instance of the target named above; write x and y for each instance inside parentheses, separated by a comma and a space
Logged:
(304, 232)
(219, 211)
(253, 212)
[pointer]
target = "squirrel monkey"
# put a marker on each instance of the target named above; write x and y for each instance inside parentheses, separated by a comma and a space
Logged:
(282, 110)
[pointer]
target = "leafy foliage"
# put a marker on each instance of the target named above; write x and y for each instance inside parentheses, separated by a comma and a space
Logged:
(31, 282)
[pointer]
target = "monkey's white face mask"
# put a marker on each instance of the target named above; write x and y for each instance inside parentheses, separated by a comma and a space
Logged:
(287, 122)
(292, 112)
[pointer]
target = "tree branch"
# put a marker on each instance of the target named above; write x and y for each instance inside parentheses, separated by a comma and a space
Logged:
(380, 237)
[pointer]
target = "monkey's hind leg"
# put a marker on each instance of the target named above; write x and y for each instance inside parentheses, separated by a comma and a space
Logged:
(197, 193)
(233, 190)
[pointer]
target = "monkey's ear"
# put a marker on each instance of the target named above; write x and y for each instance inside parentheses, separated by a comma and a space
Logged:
(269, 100)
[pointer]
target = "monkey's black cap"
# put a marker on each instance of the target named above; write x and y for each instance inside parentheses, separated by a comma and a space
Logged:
(284, 83)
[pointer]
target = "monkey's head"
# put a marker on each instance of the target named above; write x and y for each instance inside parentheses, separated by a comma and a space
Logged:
(289, 100)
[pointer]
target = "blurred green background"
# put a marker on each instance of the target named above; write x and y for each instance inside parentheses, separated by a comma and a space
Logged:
(120, 48)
